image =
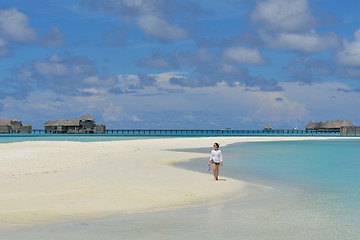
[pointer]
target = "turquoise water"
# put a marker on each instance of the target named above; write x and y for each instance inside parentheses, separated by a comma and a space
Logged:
(326, 166)
(313, 194)
(316, 187)
(329, 171)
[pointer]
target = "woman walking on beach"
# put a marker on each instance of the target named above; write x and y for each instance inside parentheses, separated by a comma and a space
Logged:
(215, 160)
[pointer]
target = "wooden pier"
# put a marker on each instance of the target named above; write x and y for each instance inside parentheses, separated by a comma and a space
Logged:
(226, 132)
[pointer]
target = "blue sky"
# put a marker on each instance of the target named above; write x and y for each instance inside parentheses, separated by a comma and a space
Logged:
(180, 64)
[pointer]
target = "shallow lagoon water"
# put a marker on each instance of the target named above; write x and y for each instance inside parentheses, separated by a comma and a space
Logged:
(313, 194)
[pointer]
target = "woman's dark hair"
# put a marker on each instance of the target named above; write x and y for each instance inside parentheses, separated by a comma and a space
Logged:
(217, 145)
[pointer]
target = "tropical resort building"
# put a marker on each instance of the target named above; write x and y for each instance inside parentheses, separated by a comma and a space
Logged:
(84, 124)
(328, 126)
(13, 126)
(267, 127)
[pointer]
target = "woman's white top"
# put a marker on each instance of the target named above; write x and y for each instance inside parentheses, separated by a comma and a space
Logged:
(215, 156)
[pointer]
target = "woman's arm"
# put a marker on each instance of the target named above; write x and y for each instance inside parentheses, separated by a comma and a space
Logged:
(220, 156)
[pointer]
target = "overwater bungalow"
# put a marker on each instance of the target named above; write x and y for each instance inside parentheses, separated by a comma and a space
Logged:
(84, 124)
(14, 126)
(267, 127)
(333, 126)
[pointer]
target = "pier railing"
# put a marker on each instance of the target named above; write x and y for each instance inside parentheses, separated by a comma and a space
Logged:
(197, 132)
(157, 132)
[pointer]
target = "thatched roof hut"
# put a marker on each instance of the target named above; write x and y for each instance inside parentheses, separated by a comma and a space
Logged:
(69, 122)
(84, 124)
(313, 125)
(87, 117)
(8, 122)
(63, 122)
(267, 127)
(13, 125)
(333, 125)
(337, 124)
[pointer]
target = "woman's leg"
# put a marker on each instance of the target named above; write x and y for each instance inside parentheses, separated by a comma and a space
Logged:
(216, 171)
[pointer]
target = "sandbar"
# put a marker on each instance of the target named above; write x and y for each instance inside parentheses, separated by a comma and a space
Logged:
(45, 182)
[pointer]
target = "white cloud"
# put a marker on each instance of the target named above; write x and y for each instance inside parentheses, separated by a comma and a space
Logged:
(53, 38)
(135, 118)
(93, 91)
(113, 112)
(127, 111)
(25, 74)
(324, 101)
(308, 42)
(98, 81)
(228, 69)
(260, 106)
(128, 79)
(14, 26)
(204, 55)
(50, 68)
(164, 77)
(271, 110)
(156, 62)
(284, 15)
(353, 72)
(350, 55)
(289, 25)
(61, 65)
(3, 48)
(243, 55)
(160, 29)
(152, 16)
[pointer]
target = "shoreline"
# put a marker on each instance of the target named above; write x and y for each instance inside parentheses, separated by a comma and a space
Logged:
(51, 182)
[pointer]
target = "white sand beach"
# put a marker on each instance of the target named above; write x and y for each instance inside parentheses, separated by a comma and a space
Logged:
(49, 182)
